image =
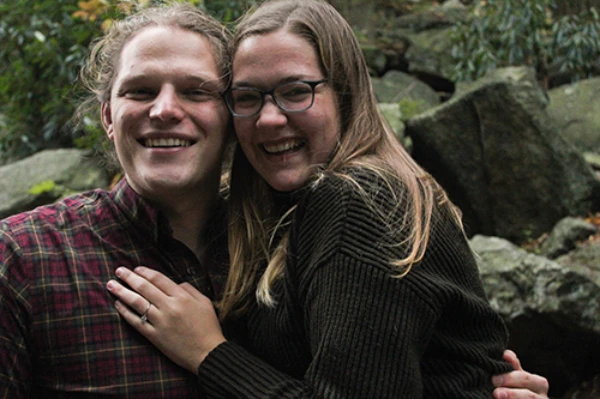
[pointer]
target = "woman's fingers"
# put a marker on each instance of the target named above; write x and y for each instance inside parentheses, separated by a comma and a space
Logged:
(197, 295)
(129, 298)
(158, 280)
(140, 292)
(181, 321)
(135, 319)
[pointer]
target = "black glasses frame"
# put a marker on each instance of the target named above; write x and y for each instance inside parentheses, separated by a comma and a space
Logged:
(263, 93)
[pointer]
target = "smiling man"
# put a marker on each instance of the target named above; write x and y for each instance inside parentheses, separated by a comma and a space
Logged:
(158, 76)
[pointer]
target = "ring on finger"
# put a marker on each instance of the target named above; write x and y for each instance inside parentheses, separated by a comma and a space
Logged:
(144, 316)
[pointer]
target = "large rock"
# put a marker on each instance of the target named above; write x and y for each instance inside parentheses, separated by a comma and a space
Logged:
(552, 311)
(46, 177)
(502, 161)
(429, 56)
(575, 110)
(400, 87)
(565, 235)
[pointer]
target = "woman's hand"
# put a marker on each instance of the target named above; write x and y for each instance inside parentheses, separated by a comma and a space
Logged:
(176, 318)
(519, 384)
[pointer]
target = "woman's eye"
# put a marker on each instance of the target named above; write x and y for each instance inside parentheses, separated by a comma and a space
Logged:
(294, 91)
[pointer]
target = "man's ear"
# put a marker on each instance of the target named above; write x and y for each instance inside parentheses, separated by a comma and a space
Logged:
(107, 121)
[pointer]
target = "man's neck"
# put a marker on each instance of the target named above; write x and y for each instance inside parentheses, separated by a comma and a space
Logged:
(189, 229)
(188, 218)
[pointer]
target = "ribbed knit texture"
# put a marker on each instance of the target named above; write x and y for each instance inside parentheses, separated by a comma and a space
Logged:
(345, 328)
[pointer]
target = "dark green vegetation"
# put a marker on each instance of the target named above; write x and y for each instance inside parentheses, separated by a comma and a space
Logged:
(548, 35)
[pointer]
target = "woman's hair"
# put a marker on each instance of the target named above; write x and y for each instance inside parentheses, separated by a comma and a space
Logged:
(366, 141)
(99, 73)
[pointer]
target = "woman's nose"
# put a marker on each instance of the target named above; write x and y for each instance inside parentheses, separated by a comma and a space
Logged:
(271, 114)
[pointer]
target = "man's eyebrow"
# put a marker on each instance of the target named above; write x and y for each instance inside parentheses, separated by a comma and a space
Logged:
(203, 81)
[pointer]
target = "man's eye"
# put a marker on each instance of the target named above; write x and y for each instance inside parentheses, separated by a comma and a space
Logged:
(200, 95)
(139, 94)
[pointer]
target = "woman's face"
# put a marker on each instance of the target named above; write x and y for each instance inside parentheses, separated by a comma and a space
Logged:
(282, 146)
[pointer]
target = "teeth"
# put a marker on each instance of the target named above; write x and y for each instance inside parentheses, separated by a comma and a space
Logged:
(281, 147)
(167, 143)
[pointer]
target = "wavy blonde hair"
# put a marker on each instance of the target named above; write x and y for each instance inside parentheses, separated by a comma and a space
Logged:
(366, 141)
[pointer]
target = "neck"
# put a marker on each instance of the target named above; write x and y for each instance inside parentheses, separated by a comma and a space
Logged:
(188, 218)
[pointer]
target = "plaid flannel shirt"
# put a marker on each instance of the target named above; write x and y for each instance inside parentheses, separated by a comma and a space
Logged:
(60, 335)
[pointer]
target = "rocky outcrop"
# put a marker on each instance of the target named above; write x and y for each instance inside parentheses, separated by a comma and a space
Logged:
(575, 110)
(552, 310)
(502, 161)
(565, 235)
(46, 177)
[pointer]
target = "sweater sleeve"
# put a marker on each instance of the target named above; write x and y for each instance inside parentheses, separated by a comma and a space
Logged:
(367, 331)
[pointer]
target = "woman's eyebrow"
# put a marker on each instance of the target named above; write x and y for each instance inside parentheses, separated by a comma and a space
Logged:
(287, 79)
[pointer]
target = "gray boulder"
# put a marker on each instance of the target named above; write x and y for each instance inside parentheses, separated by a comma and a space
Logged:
(565, 235)
(552, 311)
(399, 87)
(575, 110)
(429, 55)
(47, 176)
(502, 161)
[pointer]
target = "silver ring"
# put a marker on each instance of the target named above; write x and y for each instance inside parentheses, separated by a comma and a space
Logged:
(144, 316)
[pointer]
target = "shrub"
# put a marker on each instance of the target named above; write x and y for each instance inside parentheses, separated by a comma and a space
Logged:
(42, 49)
(525, 32)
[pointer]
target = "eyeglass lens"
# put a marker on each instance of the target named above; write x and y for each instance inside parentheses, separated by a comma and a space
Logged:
(294, 96)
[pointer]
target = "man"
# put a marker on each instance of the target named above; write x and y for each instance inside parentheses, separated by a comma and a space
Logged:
(158, 76)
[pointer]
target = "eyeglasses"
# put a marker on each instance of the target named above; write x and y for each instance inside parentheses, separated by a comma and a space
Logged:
(295, 96)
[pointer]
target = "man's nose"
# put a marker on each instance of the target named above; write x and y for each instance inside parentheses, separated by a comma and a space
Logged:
(167, 106)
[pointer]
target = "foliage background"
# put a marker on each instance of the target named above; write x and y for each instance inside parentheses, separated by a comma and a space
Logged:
(43, 44)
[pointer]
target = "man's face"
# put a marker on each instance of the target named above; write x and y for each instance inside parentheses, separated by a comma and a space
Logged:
(165, 115)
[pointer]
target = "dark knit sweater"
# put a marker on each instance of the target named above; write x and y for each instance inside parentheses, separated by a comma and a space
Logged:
(345, 328)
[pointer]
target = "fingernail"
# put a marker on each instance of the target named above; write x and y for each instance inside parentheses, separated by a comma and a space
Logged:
(119, 271)
(497, 380)
(110, 285)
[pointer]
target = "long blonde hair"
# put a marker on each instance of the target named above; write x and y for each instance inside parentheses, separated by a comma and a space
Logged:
(366, 141)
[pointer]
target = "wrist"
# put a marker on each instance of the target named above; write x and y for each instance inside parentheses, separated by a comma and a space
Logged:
(215, 343)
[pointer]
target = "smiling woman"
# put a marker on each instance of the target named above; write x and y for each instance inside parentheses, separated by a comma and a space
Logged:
(284, 147)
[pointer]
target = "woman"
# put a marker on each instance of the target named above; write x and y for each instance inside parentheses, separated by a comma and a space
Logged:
(349, 266)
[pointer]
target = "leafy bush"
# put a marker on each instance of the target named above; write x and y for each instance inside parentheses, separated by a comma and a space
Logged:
(517, 32)
(42, 49)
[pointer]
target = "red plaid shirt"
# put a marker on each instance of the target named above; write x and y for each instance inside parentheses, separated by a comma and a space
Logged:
(60, 335)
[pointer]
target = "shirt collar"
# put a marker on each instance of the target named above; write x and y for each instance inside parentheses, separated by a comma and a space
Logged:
(138, 212)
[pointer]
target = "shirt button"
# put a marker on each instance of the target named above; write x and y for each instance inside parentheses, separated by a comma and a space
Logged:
(191, 271)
